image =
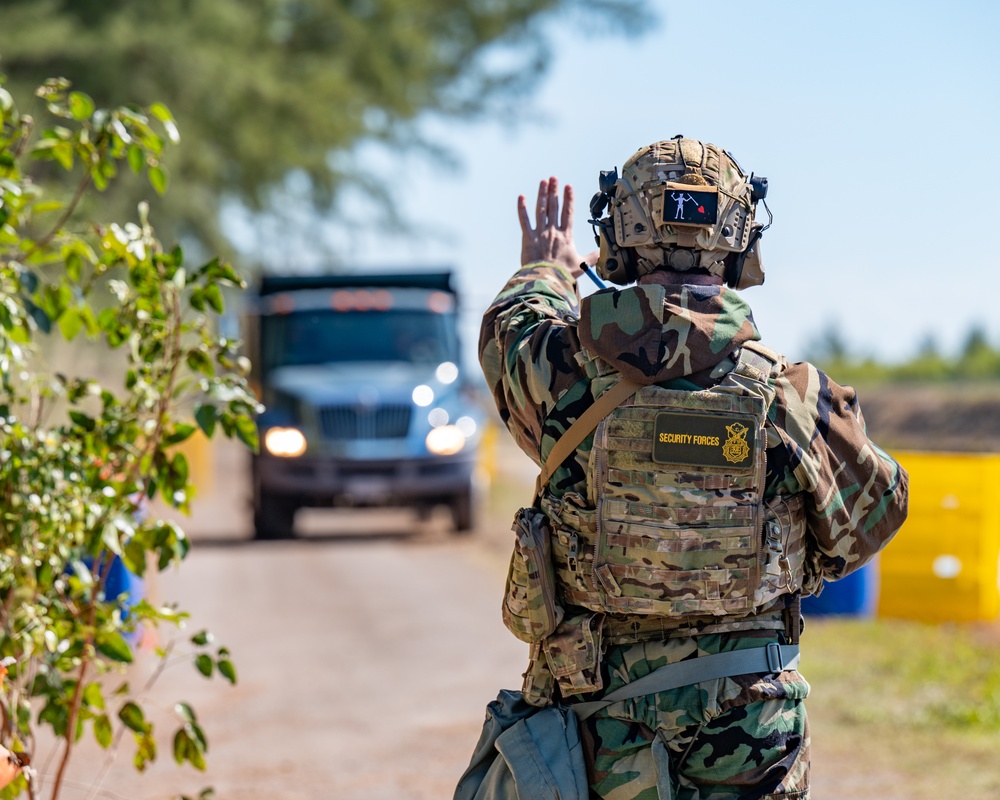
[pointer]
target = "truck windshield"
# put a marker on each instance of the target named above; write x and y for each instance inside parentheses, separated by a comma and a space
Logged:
(321, 336)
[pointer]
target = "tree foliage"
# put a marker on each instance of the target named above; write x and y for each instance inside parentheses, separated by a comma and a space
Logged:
(976, 360)
(264, 87)
(81, 456)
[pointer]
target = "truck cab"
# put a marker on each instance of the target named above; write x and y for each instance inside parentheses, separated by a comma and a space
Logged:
(366, 403)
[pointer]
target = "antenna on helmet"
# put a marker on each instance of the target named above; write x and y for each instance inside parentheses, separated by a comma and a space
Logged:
(593, 275)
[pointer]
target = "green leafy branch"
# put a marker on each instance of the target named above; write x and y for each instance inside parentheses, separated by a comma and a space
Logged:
(82, 455)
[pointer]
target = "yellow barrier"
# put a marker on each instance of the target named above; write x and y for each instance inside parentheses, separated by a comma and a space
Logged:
(943, 564)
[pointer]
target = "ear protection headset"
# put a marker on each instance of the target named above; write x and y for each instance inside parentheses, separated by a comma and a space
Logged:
(619, 263)
(737, 262)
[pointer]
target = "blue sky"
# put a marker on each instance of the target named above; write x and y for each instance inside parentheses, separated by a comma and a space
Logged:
(876, 124)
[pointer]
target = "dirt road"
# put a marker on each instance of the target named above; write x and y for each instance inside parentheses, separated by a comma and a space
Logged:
(366, 650)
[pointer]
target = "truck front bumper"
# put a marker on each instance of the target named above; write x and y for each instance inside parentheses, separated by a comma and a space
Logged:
(329, 481)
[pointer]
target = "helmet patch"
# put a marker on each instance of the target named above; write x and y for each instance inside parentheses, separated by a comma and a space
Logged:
(683, 205)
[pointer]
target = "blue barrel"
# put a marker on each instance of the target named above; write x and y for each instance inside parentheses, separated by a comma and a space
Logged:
(855, 596)
(119, 580)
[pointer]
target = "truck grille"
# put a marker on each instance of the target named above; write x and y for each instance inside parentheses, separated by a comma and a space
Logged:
(345, 422)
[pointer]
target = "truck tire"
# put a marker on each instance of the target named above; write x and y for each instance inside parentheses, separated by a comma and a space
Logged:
(463, 510)
(274, 517)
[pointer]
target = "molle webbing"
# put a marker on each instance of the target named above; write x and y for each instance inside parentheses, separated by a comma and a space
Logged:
(679, 478)
(582, 427)
(681, 530)
(634, 629)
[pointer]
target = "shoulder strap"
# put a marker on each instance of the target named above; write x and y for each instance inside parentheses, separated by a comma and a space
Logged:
(585, 423)
(755, 357)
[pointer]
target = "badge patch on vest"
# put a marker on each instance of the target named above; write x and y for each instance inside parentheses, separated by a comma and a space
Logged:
(704, 440)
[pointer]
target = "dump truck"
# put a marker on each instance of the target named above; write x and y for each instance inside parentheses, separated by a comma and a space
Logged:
(366, 401)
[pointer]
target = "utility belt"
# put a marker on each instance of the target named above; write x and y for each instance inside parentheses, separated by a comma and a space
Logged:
(633, 630)
(567, 662)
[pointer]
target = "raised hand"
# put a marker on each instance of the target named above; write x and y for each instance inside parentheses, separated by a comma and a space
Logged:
(551, 239)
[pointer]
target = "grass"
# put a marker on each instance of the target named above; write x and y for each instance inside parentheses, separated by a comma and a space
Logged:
(902, 709)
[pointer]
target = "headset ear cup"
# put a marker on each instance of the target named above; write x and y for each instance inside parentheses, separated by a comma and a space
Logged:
(615, 264)
(734, 269)
(736, 273)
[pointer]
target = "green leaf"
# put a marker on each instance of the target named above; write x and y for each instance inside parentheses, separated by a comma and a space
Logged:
(162, 113)
(202, 638)
(93, 695)
(158, 179)
(181, 432)
(134, 556)
(204, 664)
(214, 296)
(145, 752)
(133, 718)
(74, 265)
(136, 158)
(197, 299)
(227, 669)
(190, 745)
(102, 731)
(112, 645)
(182, 745)
(206, 417)
(80, 105)
(63, 153)
(198, 361)
(185, 712)
(70, 324)
(82, 420)
(246, 429)
(179, 469)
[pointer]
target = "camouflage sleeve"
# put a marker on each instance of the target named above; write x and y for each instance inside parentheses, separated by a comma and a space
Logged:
(857, 492)
(527, 345)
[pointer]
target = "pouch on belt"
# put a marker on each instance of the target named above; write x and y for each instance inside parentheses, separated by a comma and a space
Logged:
(530, 610)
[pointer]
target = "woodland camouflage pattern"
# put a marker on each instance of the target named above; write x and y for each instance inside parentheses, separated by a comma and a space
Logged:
(532, 350)
(546, 355)
(725, 739)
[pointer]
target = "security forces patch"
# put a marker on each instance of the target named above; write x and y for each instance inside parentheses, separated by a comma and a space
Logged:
(704, 440)
(684, 204)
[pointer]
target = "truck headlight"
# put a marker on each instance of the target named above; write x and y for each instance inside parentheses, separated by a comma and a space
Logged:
(285, 442)
(445, 440)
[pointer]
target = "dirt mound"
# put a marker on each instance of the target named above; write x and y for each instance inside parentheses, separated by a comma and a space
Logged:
(958, 418)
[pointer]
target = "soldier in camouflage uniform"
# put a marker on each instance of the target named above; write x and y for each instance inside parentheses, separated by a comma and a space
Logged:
(627, 544)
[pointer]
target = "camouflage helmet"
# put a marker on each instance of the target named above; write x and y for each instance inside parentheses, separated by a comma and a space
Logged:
(681, 204)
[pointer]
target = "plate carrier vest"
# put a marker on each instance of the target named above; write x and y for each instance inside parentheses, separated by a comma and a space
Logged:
(681, 528)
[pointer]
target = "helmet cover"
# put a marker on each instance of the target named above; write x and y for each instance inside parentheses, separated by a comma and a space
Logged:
(672, 195)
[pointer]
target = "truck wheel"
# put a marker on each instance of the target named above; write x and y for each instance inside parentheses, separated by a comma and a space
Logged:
(274, 517)
(463, 510)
